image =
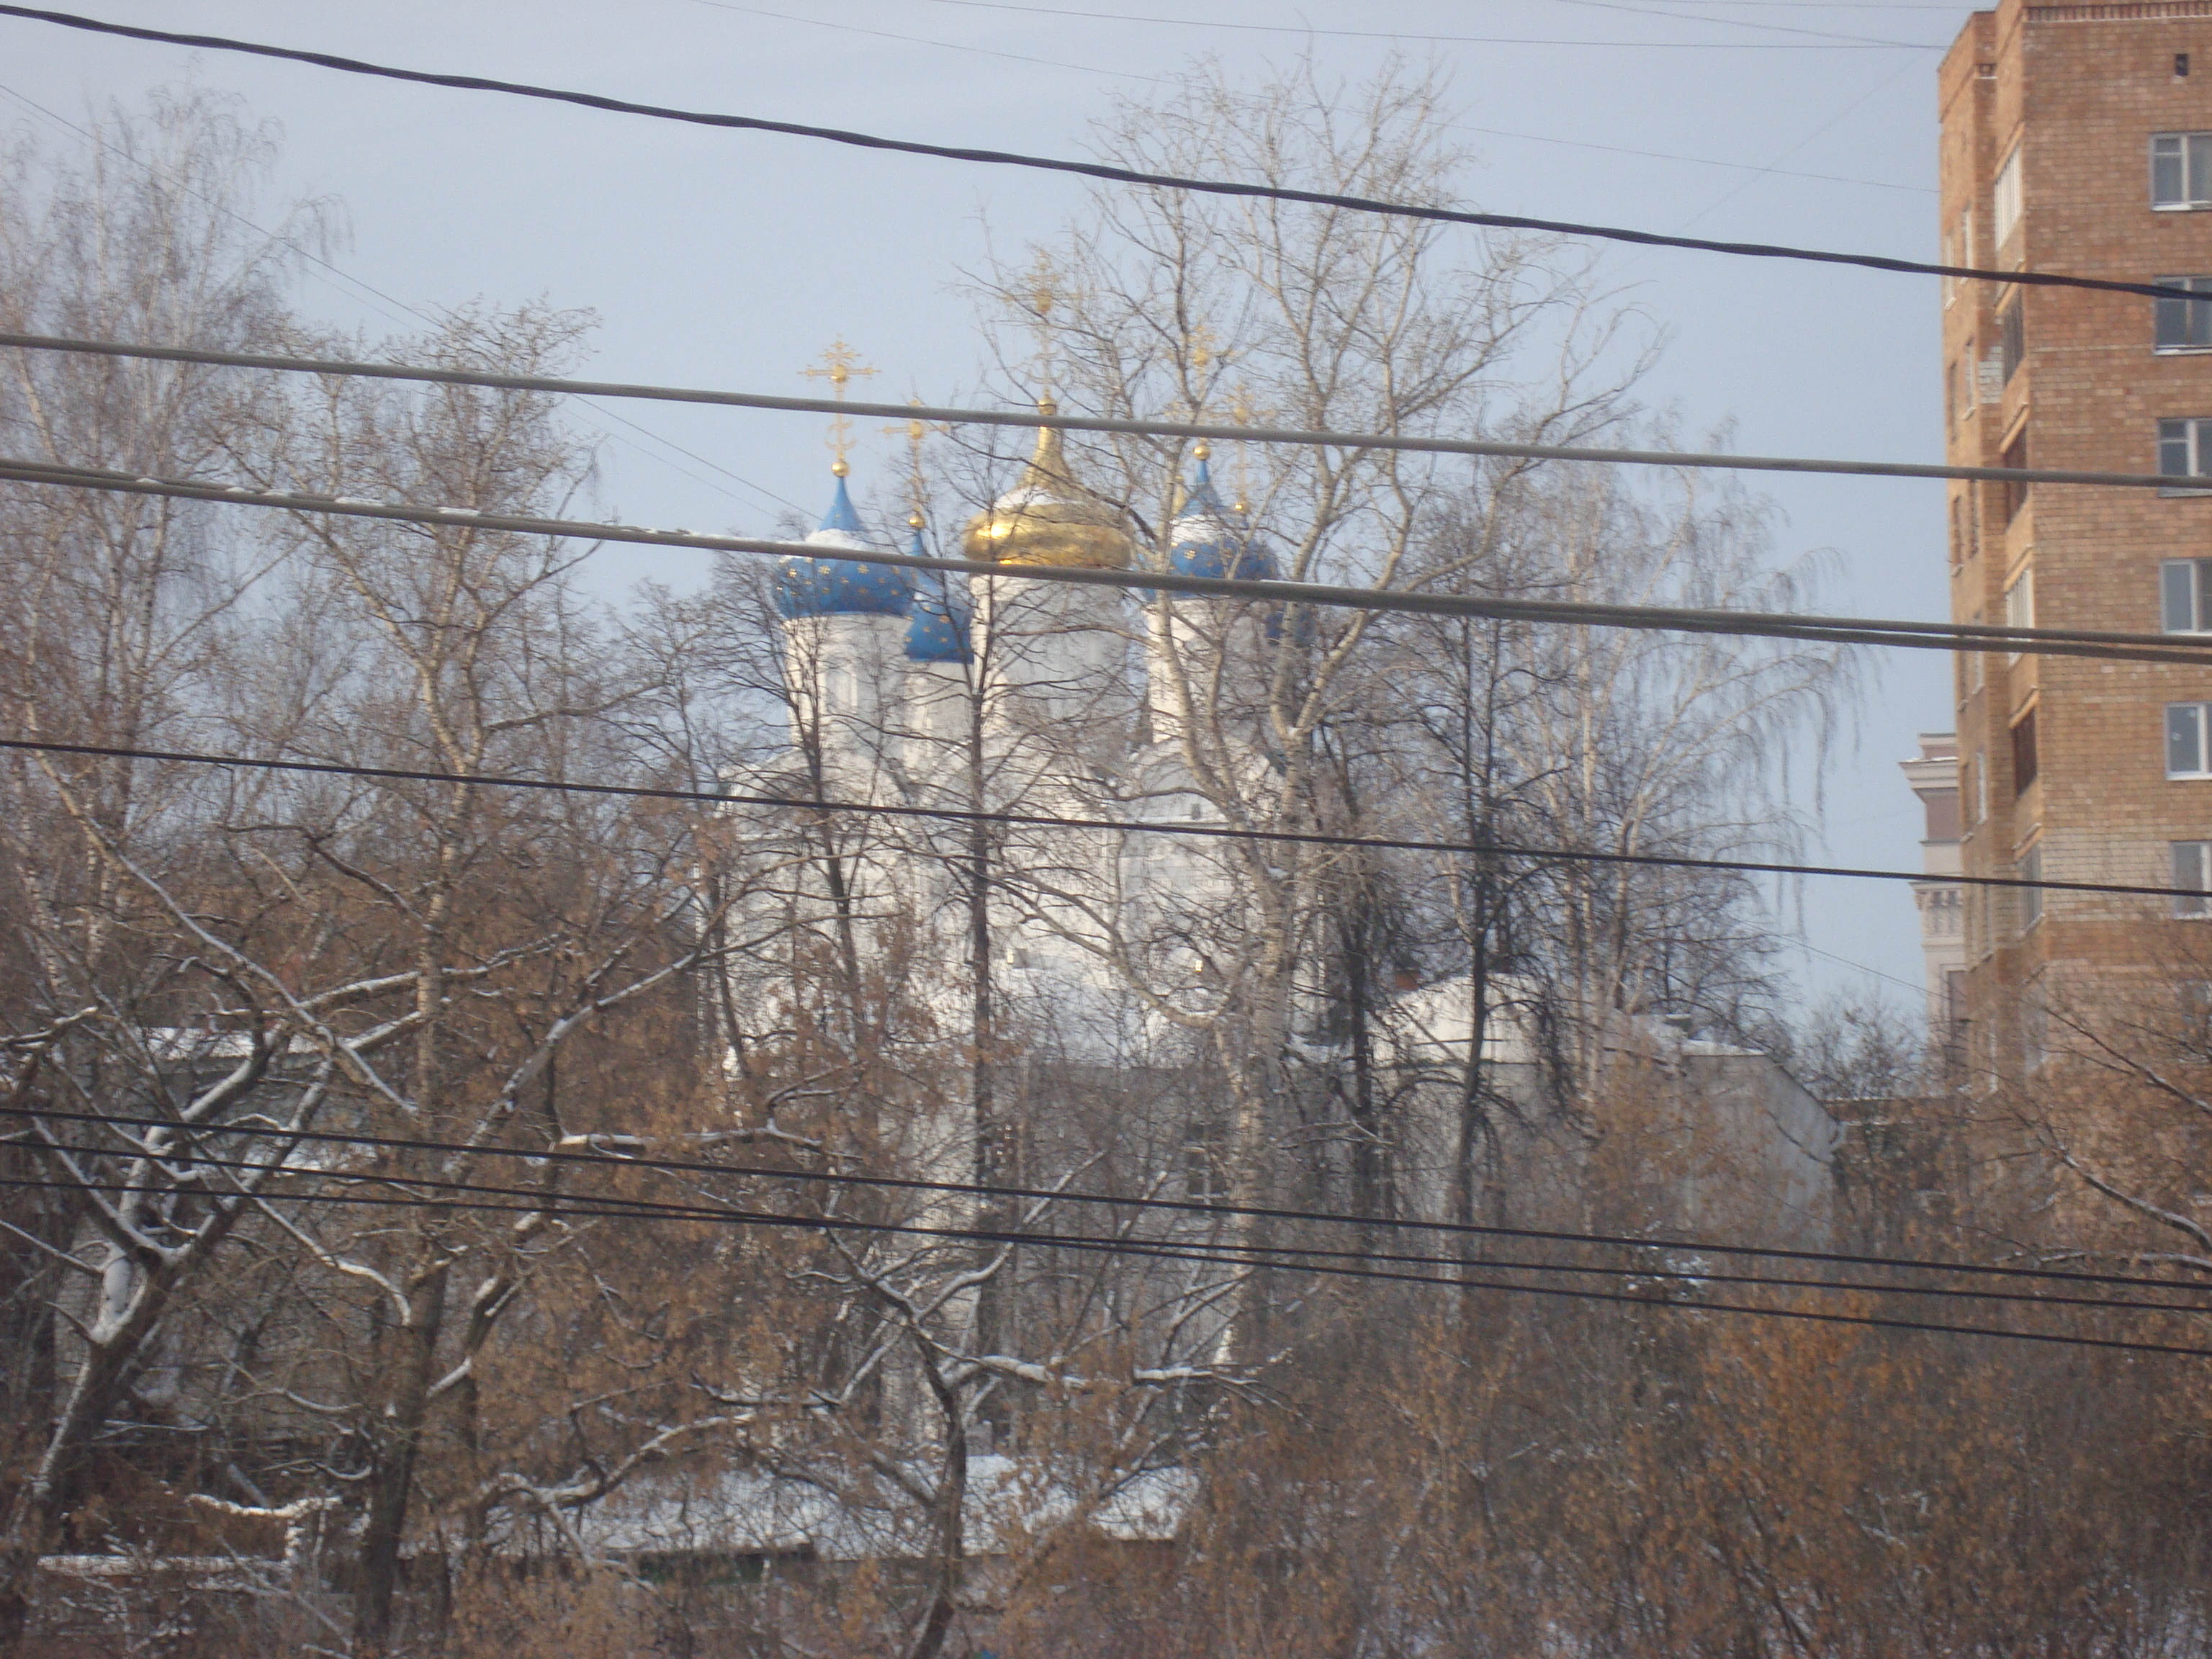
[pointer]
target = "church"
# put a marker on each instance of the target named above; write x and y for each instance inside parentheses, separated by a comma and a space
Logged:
(1151, 979)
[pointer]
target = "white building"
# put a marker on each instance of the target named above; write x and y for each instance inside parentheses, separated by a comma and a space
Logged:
(1059, 701)
(1933, 776)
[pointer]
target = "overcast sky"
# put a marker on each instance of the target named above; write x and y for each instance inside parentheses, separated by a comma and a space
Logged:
(727, 258)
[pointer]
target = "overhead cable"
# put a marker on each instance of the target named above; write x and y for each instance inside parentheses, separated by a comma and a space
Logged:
(1093, 169)
(1831, 630)
(1311, 31)
(1042, 821)
(185, 1160)
(1212, 431)
(565, 1154)
(1217, 1255)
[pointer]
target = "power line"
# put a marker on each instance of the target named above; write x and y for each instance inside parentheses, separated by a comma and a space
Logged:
(383, 301)
(1835, 121)
(1041, 821)
(186, 1161)
(1097, 169)
(1978, 637)
(1770, 28)
(1456, 39)
(1693, 160)
(1306, 437)
(1214, 1256)
(1163, 81)
(1185, 1206)
(1831, 43)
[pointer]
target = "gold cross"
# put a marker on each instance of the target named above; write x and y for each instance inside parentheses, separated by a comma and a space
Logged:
(916, 432)
(1044, 293)
(1243, 414)
(841, 364)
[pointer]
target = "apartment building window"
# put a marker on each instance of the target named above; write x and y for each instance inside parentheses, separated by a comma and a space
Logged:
(2031, 898)
(2016, 456)
(2019, 605)
(2182, 324)
(2188, 755)
(2192, 878)
(2185, 449)
(2185, 593)
(2023, 752)
(2005, 200)
(2180, 171)
(1958, 250)
(2012, 339)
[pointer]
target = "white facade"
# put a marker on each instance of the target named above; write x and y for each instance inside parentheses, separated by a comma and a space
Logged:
(1933, 776)
(1055, 700)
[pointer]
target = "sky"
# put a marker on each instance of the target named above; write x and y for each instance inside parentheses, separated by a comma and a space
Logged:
(722, 259)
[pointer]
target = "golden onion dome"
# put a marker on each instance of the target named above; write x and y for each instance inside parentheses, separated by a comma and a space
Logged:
(1048, 518)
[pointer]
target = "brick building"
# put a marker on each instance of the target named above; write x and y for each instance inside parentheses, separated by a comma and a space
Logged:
(2078, 138)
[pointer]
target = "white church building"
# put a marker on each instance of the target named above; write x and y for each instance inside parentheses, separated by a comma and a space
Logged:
(1050, 699)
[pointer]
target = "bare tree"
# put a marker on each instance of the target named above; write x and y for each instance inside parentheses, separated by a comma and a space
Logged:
(125, 610)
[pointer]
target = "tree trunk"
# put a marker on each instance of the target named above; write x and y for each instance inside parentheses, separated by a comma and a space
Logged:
(399, 1438)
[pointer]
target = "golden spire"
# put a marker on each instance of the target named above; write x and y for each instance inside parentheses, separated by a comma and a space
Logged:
(840, 364)
(916, 431)
(1242, 413)
(1048, 467)
(1048, 517)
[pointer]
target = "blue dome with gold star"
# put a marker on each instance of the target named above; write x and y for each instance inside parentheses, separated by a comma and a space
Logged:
(1205, 543)
(938, 629)
(830, 587)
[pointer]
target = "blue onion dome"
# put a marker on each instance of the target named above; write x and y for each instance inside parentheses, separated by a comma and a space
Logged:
(1206, 539)
(829, 587)
(938, 630)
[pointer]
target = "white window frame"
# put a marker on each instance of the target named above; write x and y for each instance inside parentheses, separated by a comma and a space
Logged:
(2031, 898)
(2181, 164)
(2183, 318)
(2189, 740)
(2007, 206)
(2190, 865)
(2185, 451)
(2184, 596)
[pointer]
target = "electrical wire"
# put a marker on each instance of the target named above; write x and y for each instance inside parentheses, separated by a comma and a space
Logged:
(1044, 821)
(1057, 1195)
(1692, 161)
(383, 301)
(1454, 126)
(1095, 169)
(184, 1162)
(1978, 637)
(1451, 40)
(1217, 1257)
(1836, 43)
(936, 415)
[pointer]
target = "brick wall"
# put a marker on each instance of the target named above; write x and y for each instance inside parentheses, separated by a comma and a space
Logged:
(2076, 91)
